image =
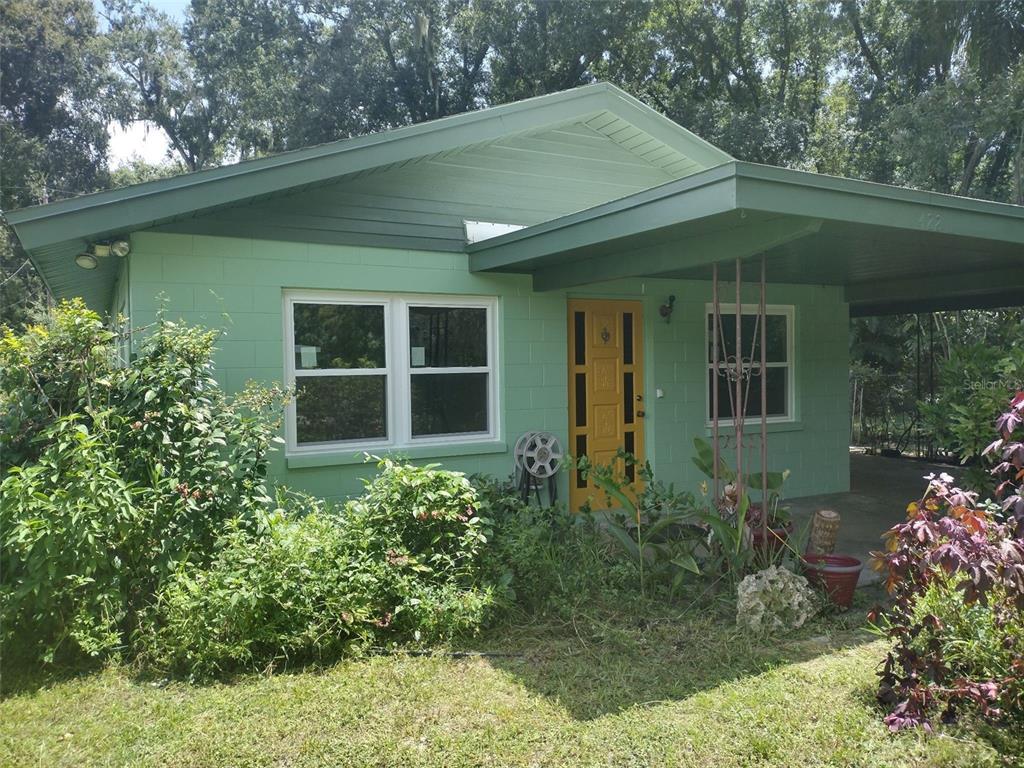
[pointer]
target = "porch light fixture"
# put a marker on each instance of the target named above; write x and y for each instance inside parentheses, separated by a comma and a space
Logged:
(120, 248)
(86, 261)
(665, 310)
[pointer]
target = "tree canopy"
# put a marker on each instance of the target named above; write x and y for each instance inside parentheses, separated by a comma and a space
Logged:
(927, 93)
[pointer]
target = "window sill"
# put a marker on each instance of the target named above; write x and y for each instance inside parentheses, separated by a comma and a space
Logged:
(754, 428)
(436, 451)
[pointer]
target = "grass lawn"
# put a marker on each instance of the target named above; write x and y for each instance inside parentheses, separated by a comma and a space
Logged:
(606, 689)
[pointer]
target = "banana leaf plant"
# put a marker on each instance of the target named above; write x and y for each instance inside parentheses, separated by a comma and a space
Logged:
(657, 528)
(778, 516)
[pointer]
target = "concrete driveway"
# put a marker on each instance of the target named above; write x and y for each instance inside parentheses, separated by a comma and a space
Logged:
(880, 489)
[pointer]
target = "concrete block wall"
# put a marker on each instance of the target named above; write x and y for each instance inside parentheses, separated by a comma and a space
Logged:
(237, 285)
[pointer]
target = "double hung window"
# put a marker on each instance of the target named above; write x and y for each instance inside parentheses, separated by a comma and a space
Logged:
(389, 371)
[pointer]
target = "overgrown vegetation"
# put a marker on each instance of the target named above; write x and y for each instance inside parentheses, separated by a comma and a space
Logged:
(955, 571)
(403, 563)
(136, 519)
(116, 474)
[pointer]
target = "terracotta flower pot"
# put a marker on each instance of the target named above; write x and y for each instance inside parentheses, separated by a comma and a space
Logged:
(838, 574)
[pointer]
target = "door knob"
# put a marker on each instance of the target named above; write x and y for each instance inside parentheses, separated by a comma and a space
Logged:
(641, 413)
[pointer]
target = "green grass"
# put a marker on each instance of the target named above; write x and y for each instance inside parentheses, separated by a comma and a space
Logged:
(606, 689)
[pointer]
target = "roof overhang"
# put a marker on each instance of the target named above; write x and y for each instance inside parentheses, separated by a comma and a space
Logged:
(52, 234)
(894, 250)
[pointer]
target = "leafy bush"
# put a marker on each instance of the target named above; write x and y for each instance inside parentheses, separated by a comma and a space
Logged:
(972, 389)
(655, 526)
(117, 473)
(1009, 454)
(544, 558)
(402, 563)
(956, 576)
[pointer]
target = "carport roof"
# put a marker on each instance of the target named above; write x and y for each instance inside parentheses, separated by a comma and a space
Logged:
(893, 249)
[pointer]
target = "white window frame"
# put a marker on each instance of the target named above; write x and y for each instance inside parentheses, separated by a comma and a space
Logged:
(399, 370)
(728, 312)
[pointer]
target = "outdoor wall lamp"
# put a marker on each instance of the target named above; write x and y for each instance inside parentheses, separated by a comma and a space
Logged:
(665, 310)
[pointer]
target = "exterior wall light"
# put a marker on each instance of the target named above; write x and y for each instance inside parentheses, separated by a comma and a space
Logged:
(120, 248)
(665, 310)
(86, 261)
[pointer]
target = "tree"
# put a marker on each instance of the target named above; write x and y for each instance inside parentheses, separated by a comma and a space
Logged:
(53, 137)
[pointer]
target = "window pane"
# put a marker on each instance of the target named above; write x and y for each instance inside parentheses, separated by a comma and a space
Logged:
(775, 329)
(339, 336)
(447, 337)
(333, 408)
(449, 403)
(580, 337)
(627, 338)
(776, 392)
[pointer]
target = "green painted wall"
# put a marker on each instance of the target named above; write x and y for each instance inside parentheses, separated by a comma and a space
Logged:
(236, 284)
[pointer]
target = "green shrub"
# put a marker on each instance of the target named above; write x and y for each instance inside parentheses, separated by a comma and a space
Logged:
(545, 558)
(971, 394)
(973, 641)
(402, 563)
(116, 473)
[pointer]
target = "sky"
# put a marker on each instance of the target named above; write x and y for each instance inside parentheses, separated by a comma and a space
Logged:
(139, 139)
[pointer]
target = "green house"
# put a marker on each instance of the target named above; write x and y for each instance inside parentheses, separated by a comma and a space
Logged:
(438, 290)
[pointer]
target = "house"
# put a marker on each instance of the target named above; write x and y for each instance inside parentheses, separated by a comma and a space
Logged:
(440, 289)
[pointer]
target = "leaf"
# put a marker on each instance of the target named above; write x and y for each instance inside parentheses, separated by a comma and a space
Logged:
(687, 562)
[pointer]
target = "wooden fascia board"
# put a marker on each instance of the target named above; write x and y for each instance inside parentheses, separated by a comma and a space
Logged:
(788, 192)
(703, 194)
(737, 242)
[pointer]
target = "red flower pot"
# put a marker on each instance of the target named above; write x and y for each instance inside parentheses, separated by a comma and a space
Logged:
(777, 538)
(838, 574)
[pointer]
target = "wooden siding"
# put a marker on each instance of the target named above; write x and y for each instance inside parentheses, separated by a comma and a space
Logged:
(524, 178)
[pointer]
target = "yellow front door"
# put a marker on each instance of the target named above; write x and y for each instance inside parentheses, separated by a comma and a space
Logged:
(606, 380)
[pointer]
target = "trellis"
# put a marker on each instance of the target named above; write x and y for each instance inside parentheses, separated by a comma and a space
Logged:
(739, 370)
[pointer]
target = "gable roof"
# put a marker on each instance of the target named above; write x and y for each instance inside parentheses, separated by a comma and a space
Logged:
(53, 234)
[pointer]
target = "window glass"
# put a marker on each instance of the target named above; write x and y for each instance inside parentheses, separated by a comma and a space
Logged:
(449, 403)
(775, 330)
(447, 337)
(776, 390)
(349, 390)
(339, 336)
(340, 408)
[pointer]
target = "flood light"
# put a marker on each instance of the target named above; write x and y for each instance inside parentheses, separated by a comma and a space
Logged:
(120, 248)
(86, 261)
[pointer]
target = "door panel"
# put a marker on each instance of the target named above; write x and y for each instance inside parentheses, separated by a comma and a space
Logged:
(605, 387)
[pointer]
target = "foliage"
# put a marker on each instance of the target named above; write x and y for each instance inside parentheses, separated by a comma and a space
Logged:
(774, 600)
(973, 382)
(544, 558)
(778, 516)
(956, 576)
(1010, 467)
(53, 137)
(116, 474)
(655, 526)
(402, 563)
